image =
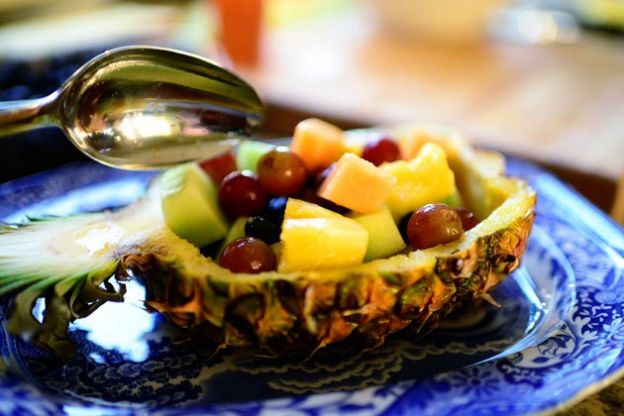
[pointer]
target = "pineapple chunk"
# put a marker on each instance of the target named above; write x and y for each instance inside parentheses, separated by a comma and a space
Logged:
(413, 137)
(384, 238)
(321, 243)
(298, 209)
(357, 184)
(425, 179)
(316, 238)
(318, 143)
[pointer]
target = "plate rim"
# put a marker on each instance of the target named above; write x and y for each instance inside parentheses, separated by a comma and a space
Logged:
(541, 175)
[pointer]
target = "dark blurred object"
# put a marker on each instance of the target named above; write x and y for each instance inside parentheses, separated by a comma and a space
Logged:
(42, 149)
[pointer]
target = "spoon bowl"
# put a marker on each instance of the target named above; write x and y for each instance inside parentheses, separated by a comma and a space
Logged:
(145, 107)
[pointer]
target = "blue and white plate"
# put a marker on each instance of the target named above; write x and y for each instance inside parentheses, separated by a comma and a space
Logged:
(558, 336)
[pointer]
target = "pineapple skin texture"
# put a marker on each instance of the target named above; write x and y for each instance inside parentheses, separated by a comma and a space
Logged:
(304, 312)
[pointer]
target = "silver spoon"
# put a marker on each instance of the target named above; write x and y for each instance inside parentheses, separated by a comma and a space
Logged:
(144, 107)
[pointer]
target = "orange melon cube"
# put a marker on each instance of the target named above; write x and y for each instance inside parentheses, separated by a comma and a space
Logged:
(357, 184)
(318, 143)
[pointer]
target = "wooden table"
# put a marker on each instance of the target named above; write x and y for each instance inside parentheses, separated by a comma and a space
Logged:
(562, 105)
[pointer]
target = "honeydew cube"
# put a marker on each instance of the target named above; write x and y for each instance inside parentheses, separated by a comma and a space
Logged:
(357, 184)
(237, 230)
(249, 153)
(354, 144)
(384, 238)
(189, 205)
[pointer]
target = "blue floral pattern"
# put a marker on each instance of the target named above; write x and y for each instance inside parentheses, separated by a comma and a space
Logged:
(528, 356)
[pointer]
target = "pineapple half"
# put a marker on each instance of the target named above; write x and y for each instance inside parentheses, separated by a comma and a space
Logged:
(79, 262)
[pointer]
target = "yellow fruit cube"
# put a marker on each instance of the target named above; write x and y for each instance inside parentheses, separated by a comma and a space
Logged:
(317, 143)
(357, 184)
(412, 138)
(316, 238)
(425, 179)
(321, 243)
(298, 209)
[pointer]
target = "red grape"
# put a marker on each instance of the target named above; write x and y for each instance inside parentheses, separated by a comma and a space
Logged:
(381, 150)
(242, 195)
(468, 218)
(434, 224)
(248, 255)
(282, 172)
(219, 166)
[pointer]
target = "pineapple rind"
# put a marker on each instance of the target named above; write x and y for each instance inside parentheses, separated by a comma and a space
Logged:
(310, 310)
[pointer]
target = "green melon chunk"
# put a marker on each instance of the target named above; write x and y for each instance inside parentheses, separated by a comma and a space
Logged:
(189, 205)
(249, 153)
(454, 200)
(384, 238)
(237, 230)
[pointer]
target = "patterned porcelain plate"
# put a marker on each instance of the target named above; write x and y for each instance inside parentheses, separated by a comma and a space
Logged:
(558, 336)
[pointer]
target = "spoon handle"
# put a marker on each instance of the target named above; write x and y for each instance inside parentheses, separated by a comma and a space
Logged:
(24, 115)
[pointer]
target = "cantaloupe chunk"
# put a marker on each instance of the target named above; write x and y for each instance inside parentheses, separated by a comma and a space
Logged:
(357, 184)
(425, 179)
(318, 143)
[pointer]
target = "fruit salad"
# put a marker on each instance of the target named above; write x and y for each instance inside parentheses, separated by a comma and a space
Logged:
(338, 235)
(319, 203)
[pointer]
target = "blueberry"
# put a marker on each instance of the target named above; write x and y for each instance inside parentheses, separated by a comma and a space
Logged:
(262, 228)
(275, 209)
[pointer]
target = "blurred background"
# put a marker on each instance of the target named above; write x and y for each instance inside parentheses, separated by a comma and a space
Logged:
(543, 80)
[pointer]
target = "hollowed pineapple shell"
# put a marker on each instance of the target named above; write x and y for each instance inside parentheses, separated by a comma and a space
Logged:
(272, 311)
(311, 309)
